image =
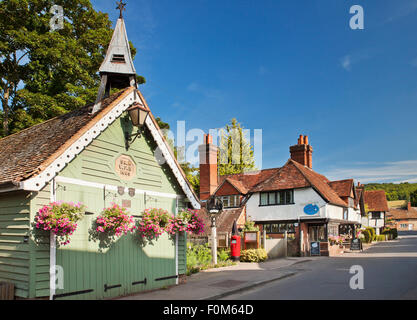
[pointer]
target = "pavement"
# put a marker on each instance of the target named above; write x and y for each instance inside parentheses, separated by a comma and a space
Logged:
(217, 283)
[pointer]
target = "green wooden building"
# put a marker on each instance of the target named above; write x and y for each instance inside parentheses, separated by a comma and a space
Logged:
(83, 157)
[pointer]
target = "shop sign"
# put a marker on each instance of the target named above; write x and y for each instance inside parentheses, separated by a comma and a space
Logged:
(311, 209)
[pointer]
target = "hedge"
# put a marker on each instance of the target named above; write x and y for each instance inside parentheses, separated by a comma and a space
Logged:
(253, 255)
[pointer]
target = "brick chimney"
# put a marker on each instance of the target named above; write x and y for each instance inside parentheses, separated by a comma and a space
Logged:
(302, 152)
(208, 167)
(408, 206)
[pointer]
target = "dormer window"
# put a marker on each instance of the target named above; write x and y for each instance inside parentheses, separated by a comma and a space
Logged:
(118, 58)
(230, 201)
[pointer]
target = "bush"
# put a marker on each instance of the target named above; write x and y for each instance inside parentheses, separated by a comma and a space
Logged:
(253, 255)
(381, 237)
(372, 233)
(223, 255)
(392, 233)
(198, 257)
(367, 235)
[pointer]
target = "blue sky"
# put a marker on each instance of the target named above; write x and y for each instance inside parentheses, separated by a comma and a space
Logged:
(288, 68)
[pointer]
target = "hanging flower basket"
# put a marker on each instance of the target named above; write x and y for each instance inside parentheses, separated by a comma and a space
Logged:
(60, 218)
(115, 221)
(194, 223)
(153, 224)
(176, 224)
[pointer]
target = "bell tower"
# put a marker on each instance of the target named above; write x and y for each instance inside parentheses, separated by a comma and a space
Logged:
(117, 69)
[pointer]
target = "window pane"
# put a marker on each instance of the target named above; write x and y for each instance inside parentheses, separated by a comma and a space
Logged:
(288, 197)
(237, 201)
(225, 201)
(282, 227)
(291, 228)
(272, 198)
(231, 201)
(267, 228)
(282, 197)
(264, 199)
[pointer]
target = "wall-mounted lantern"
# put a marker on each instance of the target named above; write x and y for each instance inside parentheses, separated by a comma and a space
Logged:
(137, 114)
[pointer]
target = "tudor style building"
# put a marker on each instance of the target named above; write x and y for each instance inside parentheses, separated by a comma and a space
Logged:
(86, 156)
(293, 198)
(376, 206)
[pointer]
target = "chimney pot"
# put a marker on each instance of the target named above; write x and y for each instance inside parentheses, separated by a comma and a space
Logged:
(302, 152)
(208, 139)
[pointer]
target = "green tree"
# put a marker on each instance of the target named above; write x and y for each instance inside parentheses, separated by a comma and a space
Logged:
(413, 198)
(235, 152)
(394, 191)
(192, 173)
(44, 74)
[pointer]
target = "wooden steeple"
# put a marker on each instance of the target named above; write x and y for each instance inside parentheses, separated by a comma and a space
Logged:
(117, 69)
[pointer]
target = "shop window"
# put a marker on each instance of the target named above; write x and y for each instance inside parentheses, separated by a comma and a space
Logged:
(279, 228)
(333, 230)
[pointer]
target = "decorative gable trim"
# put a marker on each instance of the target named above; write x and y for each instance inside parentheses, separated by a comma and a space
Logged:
(39, 181)
(160, 141)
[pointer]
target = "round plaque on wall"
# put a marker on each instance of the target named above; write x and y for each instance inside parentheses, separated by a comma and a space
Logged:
(125, 168)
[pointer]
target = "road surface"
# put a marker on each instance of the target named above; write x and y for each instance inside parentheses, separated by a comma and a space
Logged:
(390, 272)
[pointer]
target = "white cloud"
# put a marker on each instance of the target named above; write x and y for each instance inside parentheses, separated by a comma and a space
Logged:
(345, 62)
(400, 171)
(350, 59)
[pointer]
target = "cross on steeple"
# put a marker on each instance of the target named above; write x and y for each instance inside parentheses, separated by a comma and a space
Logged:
(121, 6)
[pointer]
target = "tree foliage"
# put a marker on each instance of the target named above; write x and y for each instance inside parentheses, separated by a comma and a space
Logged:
(46, 73)
(394, 191)
(413, 198)
(235, 152)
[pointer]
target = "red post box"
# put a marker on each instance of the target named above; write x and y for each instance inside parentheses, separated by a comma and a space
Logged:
(235, 248)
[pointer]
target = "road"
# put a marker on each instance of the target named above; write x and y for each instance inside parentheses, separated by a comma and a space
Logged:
(390, 272)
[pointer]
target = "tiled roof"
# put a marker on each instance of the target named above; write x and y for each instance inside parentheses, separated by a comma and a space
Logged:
(342, 187)
(224, 221)
(359, 192)
(29, 151)
(402, 214)
(294, 175)
(243, 182)
(376, 200)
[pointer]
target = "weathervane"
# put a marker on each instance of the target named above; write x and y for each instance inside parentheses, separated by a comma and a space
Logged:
(121, 6)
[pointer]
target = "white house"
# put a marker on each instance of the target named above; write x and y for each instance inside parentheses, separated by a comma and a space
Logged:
(293, 199)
